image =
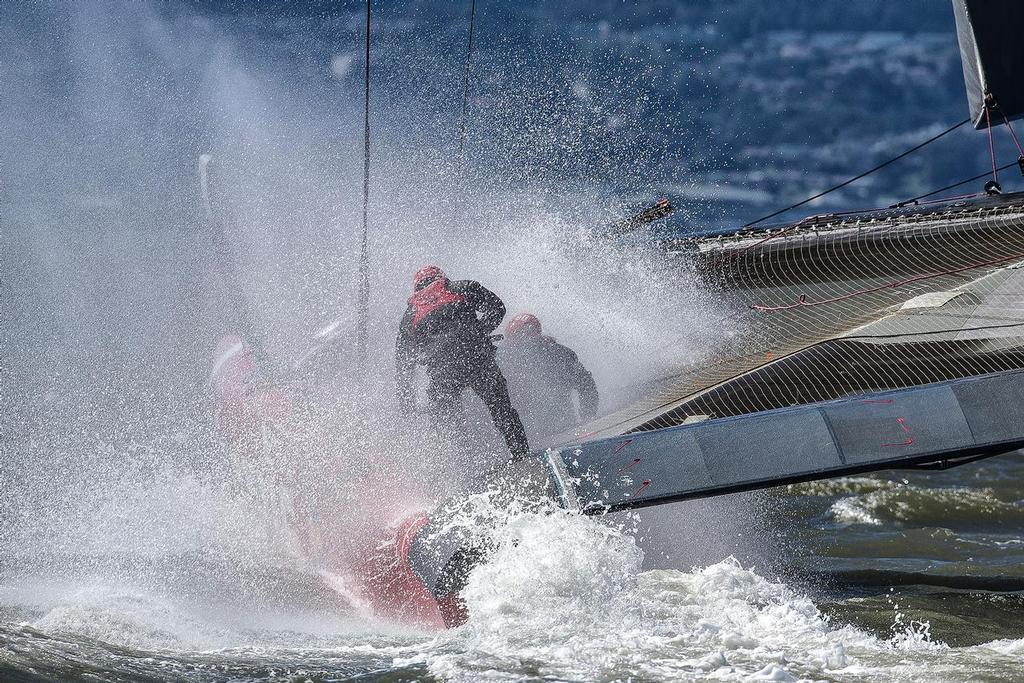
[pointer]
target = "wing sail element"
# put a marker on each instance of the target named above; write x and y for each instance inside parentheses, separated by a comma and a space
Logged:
(993, 56)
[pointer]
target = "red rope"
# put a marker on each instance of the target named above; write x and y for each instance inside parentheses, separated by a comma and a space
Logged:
(802, 300)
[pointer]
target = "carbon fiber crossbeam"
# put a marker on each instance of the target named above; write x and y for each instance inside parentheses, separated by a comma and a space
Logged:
(933, 426)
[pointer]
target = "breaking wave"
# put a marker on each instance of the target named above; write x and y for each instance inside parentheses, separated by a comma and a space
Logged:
(562, 597)
(881, 501)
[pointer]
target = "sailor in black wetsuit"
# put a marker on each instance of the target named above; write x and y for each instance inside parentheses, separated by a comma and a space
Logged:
(542, 376)
(447, 328)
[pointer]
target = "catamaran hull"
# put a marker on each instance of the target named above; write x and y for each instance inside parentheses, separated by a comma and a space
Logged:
(414, 575)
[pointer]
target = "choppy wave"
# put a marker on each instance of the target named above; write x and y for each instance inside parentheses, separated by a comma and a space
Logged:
(131, 620)
(878, 501)
(946, 507)
(562, 598)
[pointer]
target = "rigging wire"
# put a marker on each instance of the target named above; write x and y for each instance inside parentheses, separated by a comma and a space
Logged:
(1016, 142)
(465, 79)
(991, 145)
(364, 266)
(859, 176)
(950, 187)
(1013, 135)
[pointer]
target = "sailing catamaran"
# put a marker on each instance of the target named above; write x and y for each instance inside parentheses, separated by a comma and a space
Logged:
(871, 340)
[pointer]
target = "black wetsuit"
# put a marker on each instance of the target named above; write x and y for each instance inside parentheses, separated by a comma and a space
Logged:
(446, 328)
(542, 375)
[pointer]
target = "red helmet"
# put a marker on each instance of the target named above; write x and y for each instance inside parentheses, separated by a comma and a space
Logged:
(425, 275)
(523, 326)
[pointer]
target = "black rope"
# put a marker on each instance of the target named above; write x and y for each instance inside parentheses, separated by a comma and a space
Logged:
(950, 187)
(858, 177)
(364, 266)
(465, 78)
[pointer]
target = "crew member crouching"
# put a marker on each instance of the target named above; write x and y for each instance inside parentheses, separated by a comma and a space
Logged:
(542, 376)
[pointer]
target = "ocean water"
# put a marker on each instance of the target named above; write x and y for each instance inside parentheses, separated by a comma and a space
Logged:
(873, 579)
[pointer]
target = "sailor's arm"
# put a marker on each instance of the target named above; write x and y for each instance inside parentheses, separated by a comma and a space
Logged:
(580, 379)
(587, 389)
(487, 304)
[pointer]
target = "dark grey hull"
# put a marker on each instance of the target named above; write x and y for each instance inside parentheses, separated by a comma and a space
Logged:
(933, 426)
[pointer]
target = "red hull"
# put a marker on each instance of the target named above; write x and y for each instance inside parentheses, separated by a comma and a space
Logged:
(393, 591)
